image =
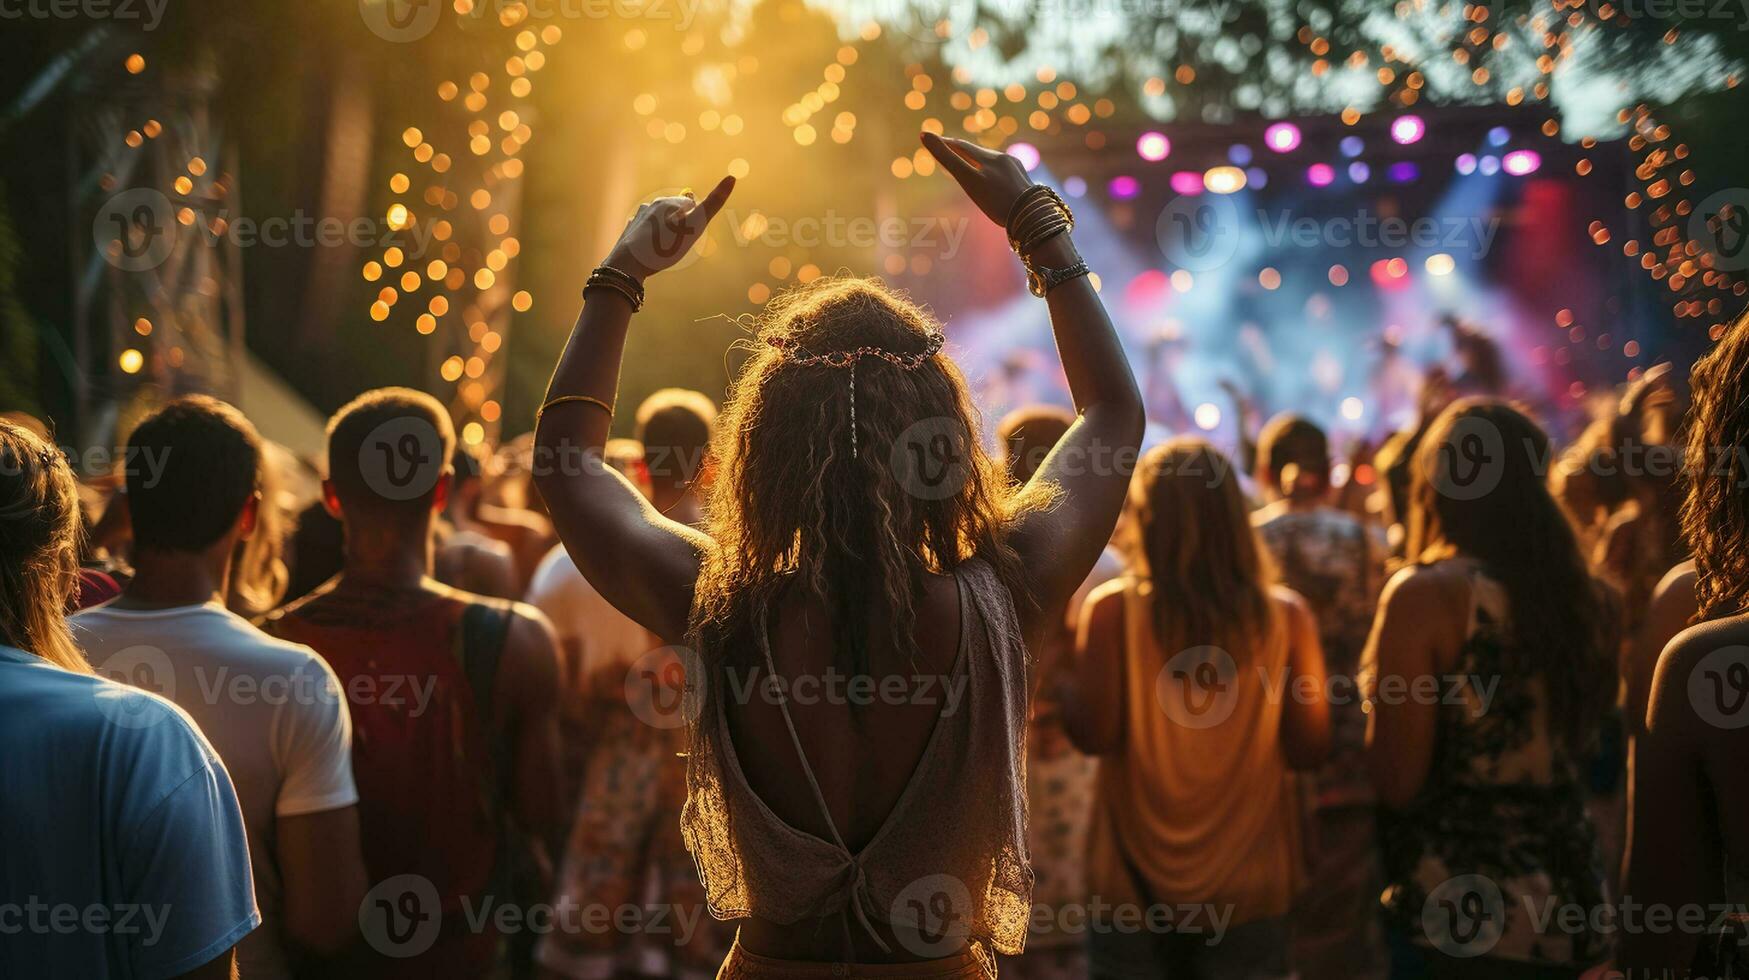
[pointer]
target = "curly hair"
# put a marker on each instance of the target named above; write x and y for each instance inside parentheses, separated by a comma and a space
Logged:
(792, 505)
(1715, 513)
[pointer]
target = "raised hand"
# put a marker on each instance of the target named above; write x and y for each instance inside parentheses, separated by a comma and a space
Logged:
(664, 230)
(1652, 390)
(993, 180)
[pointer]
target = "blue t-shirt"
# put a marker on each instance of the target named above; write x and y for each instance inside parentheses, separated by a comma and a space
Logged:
(123, 851)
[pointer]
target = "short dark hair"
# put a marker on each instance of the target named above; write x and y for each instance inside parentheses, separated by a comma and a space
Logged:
(194, 465)
(466, 464)
(1294, 440)
(387, 448)
(1028, 434)
(674, 424)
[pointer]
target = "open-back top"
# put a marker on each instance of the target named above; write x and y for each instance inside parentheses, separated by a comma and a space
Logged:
(949, 861)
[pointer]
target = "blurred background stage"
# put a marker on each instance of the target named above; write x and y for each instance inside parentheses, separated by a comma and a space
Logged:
(1309, 203)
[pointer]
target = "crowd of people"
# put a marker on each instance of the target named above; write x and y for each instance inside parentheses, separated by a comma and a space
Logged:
(819, 683)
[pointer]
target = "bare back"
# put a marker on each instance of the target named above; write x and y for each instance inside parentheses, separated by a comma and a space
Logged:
(862, 756)
(1689, 831)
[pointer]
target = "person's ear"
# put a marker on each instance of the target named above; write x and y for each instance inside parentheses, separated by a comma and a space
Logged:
(440, 493)
(250, 515)
(331, 500)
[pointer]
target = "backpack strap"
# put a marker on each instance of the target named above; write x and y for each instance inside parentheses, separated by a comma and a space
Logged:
(485, 628)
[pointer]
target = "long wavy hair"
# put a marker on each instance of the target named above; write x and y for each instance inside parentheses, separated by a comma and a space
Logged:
(1507, 519)
(1715, 514)
(39, 547)
(1195, 545)
(792, 507)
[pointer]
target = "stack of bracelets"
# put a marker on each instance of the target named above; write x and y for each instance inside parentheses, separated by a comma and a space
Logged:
(607, 277)
(1038, 216)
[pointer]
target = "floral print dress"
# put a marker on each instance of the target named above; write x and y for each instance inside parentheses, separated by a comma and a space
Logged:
(1496, 855)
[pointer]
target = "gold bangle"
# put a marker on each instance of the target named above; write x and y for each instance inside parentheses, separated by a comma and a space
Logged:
(562, 399)
(1041, 207)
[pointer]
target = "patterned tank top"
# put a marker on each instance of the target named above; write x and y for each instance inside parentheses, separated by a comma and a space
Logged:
(1497, 844)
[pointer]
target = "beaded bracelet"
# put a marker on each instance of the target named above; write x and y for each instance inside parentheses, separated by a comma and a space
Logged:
(620, 282)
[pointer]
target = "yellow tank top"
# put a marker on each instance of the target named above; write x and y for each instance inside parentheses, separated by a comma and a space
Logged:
(1198, 806)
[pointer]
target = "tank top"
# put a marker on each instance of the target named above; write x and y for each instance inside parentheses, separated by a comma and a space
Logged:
(1499, 833)
(430, 767)
(1198, 805)
(949, 861)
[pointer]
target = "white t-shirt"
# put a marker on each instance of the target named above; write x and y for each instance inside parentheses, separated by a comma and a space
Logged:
(599, 634)
(272, 709)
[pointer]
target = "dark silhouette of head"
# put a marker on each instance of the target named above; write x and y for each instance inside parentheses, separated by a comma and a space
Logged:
(1293, 455)
(1028, 434)
(674, 424)
(206, 488)
(389, 455)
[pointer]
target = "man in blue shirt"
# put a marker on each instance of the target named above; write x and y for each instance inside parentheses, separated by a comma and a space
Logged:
(124, 852)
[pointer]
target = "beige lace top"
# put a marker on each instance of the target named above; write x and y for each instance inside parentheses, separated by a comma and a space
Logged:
(948, 868)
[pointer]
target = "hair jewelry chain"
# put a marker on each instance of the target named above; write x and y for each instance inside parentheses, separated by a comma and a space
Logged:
(795, 353)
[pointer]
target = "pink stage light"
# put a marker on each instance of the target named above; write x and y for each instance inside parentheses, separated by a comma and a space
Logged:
(1153, 147)
(1125, 187)
(1521, 162)
(1187, 182)
(1282, 137)
(1390, 273)
(1407, 129)
(1320, 175)
(1026, 153)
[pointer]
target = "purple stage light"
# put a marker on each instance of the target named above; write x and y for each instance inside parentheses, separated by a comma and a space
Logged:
(1239, 154)
(1352, 145)
(1403, 172)
(1359, 172)
(1124, 187)
(1026, 153)
(1466, 163)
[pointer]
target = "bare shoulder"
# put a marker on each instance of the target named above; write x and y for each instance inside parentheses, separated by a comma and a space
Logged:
(531, 653)
(1109, 592)
(1677, 585)
(1698, 678)
(1717, 640)
(1289, 601)
(529, 627)
(1423, 587)
(1102, 613)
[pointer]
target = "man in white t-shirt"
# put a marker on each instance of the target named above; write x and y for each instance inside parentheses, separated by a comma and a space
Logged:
(272, 710)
